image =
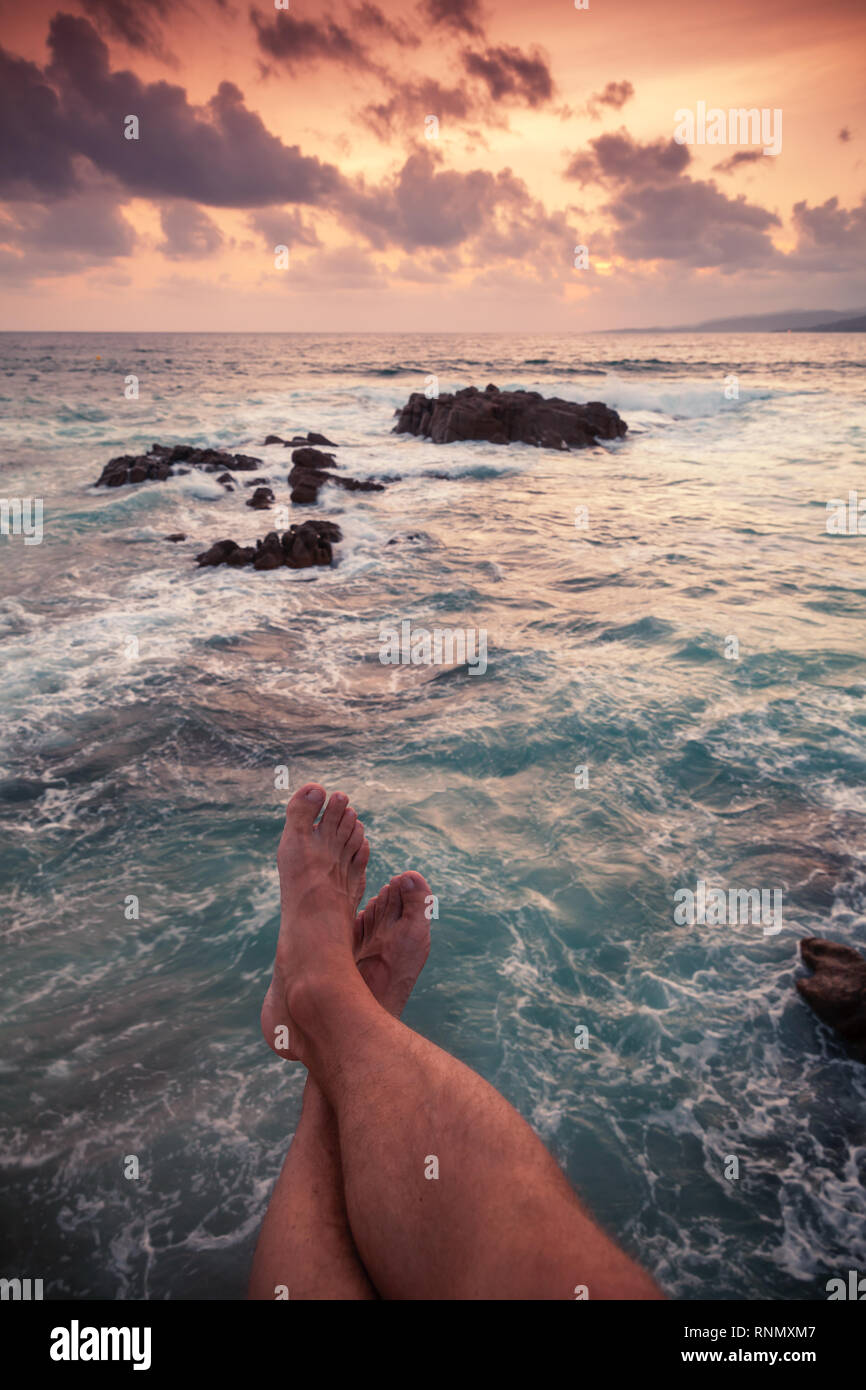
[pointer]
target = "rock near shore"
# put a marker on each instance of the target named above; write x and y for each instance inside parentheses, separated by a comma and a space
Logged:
(837, 990)
(160, 462)
(311, 469)
(508, 417)
(298, 548)
(311, 438)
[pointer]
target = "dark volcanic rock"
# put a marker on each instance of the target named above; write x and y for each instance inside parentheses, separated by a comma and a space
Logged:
(254, 482)
(305, 490)
(177, 536)
(218, 553)
(508, 417)
(312, 438)
(241, 555)
(299, 548)
(837, 990)
(261, 499)
(313, 458)
(309, 474)
(157, 465)
(269, 553)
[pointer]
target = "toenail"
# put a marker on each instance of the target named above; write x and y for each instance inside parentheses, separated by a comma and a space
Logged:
(409, 881)
(314, 794)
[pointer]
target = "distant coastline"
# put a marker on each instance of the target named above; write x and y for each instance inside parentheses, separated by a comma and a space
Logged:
(790, 321)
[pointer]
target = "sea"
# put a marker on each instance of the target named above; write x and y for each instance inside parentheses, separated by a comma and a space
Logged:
(674, 694)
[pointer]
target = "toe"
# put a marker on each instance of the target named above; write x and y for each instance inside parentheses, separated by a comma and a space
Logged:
(358, 929)
(304, 806)
(383, 898)
(361, 857)
(413, 891)
(347, 825)
(333, 814)
(394, 907)
(354, 838)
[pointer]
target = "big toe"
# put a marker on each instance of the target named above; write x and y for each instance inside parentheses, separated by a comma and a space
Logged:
(413, 892)
(304, 806)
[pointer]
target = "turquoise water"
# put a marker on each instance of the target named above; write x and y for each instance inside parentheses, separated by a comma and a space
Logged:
(154, 776)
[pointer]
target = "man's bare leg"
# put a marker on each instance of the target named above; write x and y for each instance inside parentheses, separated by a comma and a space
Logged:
(449, 1193)
(305, 1246)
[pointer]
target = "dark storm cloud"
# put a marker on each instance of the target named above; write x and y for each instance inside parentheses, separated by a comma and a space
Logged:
(618, 158)
(282, 227)
(502, 76)
(68, 235)
(135, 22)
(35, 153)
(693, 223)
(464, 16)
(301, 42)
(370, 17)
(410, 102)
(614, 96)
(829, 237)
(660, 213)
(427, 206)
(730, 166)
(188, 231)
(511, 74)
(220, 154)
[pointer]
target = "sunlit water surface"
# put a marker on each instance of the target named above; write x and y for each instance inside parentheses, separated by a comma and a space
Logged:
(155, 777)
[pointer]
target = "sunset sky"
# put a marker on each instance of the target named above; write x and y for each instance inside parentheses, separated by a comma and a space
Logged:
(306, 127)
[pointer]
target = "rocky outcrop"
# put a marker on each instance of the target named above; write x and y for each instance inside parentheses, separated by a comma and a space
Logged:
(508, 417)
(160, 463)
(837, 990)
(311, 470)
(261, 499)
(298, 548)
(311, 438)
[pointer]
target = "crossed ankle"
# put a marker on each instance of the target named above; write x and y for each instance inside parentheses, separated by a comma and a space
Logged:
(322, 992)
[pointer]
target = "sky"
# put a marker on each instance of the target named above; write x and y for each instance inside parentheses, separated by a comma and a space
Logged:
(431, 165)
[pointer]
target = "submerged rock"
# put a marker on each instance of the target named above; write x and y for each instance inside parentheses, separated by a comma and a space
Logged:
(261, 499)
(508, 417)
(312, 438)
(310, 472)
(298, 548)
(177, 536)
(313, 458)
(160, 462)
(837, 990)
(218, 553)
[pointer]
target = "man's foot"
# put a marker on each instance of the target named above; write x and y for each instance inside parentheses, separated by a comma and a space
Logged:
(392, 940)
(322, 872)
